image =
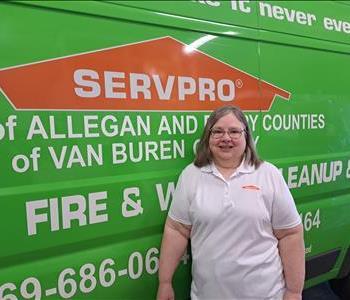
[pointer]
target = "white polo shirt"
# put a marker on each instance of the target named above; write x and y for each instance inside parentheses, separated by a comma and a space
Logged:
(234, 250)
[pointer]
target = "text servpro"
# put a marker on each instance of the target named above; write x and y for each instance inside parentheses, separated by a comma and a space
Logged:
(122, 85)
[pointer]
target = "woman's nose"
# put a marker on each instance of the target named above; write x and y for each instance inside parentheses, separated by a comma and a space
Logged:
(226, 136)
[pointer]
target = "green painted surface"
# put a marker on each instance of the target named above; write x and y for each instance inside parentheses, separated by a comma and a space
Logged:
(307, 137)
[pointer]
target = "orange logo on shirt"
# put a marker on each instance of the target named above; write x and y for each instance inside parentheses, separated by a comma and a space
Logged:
(160, 74)
(251, 187)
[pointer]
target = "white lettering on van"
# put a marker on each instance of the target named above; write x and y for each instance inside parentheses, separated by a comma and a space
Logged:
(121, 85)
(241, 5)
(307, 175)
(91, 126)
(336, 25)
(84, 211)
(8, 129)
(164, 93)
(256, 140)
(282, 13)
(206, 88)
(177, 125)
(230, 95)
(140, 83)
(73, 155)
(284, 122)
(187, 86)
(22, 163)
(209, 2)
(311, 220)
(86, 78)
(131, 207)
(111, 84)
(252, 119)
(165, 201)
(36, 128)
(147, 151)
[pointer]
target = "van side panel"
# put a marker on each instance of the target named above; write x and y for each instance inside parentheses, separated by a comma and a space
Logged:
(102, 105)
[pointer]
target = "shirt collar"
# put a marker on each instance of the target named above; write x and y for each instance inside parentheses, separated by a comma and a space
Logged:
(244, 167)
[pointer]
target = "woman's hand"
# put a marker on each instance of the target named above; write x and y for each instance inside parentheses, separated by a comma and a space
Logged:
(288, 295)
(165, 292)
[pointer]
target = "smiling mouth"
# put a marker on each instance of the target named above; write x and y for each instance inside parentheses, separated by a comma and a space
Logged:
(225, 147)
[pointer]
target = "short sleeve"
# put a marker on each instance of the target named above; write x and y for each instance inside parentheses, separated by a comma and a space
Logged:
(284, 211)
(180, 205)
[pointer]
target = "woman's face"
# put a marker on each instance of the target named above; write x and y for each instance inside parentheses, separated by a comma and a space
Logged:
(227, 149)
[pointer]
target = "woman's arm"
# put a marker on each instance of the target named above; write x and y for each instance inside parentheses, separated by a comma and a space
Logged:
(174, 243)
(292, 252)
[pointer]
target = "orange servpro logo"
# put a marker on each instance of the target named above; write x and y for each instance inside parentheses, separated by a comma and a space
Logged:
(155, 75)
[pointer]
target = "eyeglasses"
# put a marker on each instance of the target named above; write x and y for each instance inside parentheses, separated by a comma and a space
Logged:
(233, 133)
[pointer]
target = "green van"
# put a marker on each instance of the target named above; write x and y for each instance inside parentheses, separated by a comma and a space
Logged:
(102, 104)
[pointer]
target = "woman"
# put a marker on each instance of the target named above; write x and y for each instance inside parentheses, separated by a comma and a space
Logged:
(246, 234)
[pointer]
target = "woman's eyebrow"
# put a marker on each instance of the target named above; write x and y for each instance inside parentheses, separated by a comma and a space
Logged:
(234, 128)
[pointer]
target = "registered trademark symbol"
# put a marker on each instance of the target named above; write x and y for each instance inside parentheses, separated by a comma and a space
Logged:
(239, 83)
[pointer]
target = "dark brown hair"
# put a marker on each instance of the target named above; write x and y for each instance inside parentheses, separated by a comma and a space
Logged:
(204, 156)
